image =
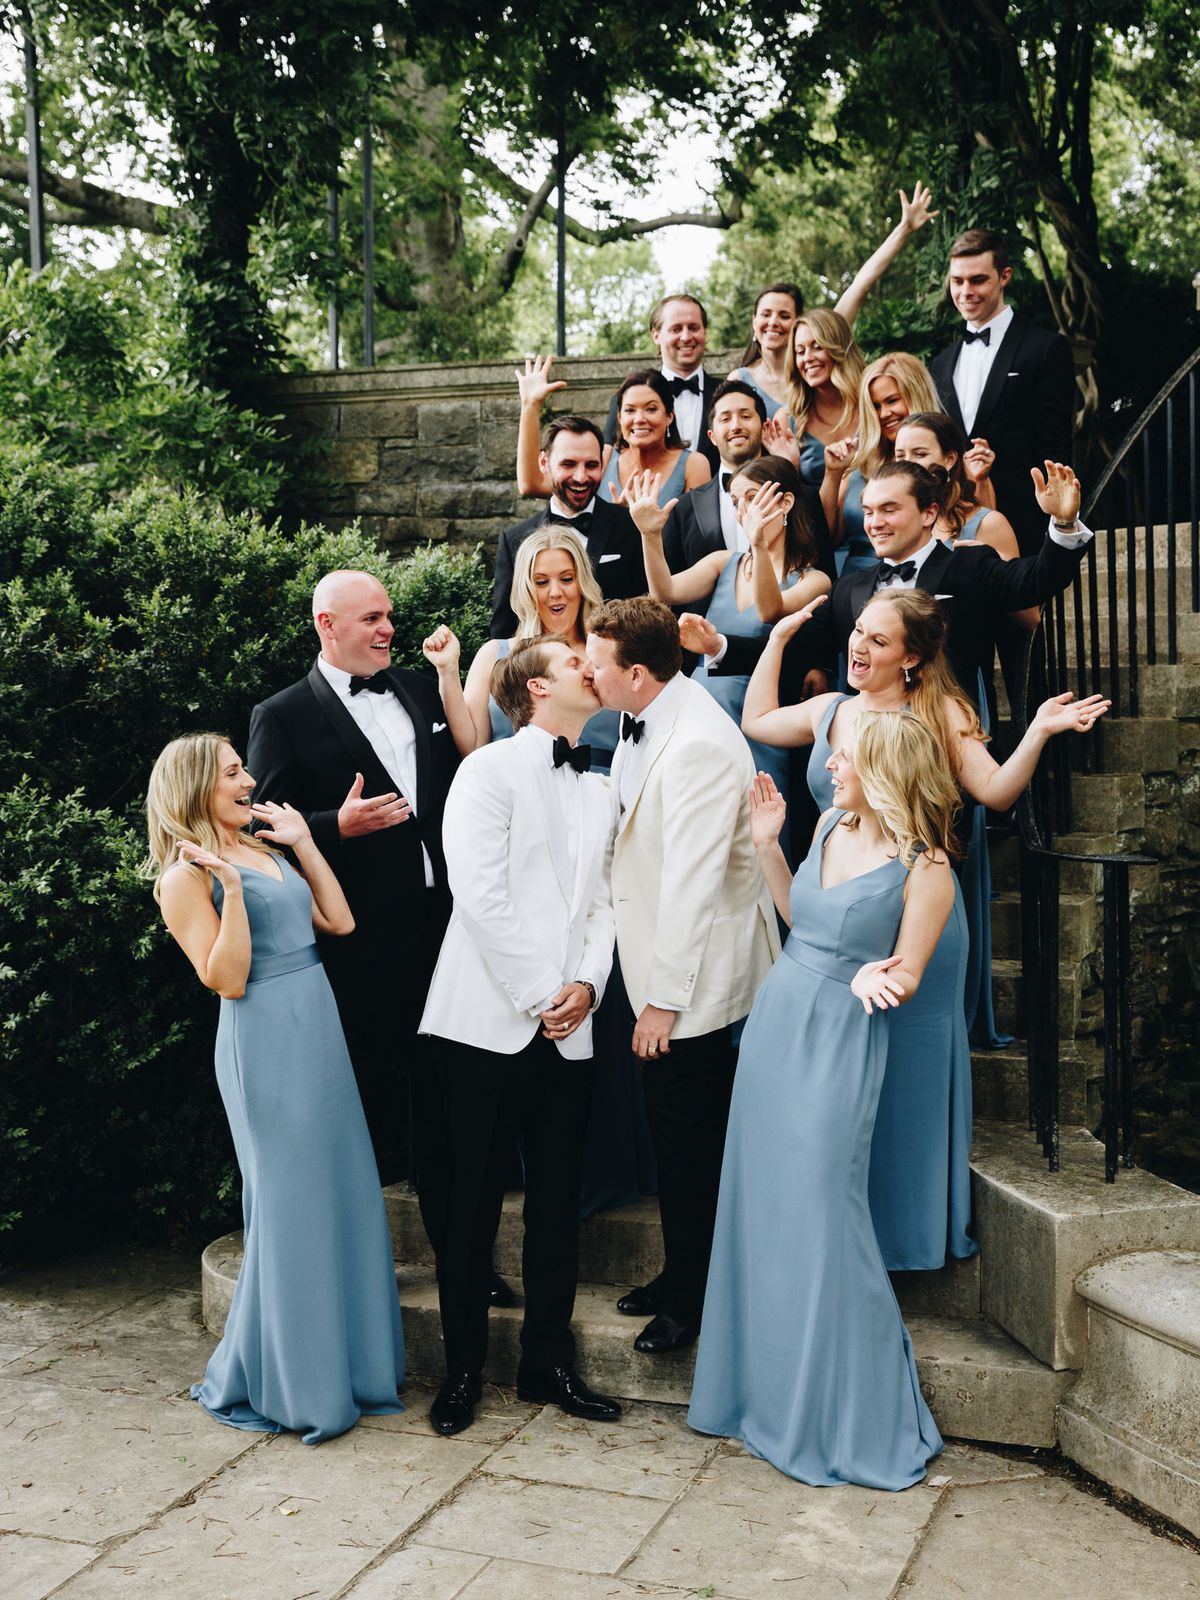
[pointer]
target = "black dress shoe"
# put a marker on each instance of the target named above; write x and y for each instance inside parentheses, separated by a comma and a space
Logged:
(453, 1408)
(562, 1386)
(641, 1302)
(499, 1293)
(665, 1334)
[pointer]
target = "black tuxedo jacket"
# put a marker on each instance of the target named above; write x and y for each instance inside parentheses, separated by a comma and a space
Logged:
(977, 591)
(614, 547)
(693, 528)
(703, 444)
(1024, 413)
(305, 748)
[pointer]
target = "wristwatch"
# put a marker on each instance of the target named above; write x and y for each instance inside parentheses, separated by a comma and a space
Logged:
(591, 989)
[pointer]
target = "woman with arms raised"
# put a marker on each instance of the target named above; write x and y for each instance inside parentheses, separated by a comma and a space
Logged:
(313, 1339)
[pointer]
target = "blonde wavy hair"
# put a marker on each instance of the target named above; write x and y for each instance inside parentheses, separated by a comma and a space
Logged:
(179, 803)
(913, 381)
(905, 776)
(834, 335)
(523, 595)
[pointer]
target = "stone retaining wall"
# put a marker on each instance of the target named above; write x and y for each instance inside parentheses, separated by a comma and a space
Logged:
(429, 452)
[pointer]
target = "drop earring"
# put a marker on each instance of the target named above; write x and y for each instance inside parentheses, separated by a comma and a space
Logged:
(907, 678)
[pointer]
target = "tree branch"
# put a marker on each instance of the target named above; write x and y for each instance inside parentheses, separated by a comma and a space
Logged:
(90, 204)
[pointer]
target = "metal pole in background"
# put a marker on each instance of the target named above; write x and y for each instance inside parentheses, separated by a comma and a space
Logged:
(33, 139)
(368, 251)
(561, 166)
(333, 306)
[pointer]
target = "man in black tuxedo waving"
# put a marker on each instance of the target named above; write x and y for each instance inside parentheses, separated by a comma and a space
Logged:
(572, 458)
(1005, 378)
(679, 327)
(362, 749)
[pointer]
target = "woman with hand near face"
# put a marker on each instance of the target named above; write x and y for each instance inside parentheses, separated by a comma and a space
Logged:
(746, 594)
(803, 1351)
(313, 1338)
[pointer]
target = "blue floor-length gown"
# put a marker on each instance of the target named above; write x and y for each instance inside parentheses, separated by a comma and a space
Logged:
(921, 1157)
(803, 1352)
(729, 689)
(313, 1338)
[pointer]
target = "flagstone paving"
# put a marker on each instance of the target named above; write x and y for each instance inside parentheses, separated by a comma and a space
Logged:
(115, 1486)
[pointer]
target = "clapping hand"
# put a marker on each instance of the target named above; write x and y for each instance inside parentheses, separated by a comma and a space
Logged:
(223, 871)
(287, 825)
(1062, 713)
(788, 626)
(915, 213)
(873, 986)
(768, 811)
(640, 497)
(534, 383)
(978, 461)
(441, 649)
(779, 440)
(759, 513)
(697, 634)
(358, 816)
(1057, 492)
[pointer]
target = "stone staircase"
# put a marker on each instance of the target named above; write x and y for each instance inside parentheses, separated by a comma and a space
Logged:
(1079, 1322)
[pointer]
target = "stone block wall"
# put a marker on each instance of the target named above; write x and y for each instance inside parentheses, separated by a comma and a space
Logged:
(429, 452)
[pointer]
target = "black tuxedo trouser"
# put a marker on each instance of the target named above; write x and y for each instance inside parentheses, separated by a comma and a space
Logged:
(490, 1102)
(687, 1094)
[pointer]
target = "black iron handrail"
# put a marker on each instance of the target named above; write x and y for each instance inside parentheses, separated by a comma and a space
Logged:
(1155, 466)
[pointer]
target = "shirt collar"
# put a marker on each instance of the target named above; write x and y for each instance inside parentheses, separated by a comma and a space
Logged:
(561, 510)
(659, 708)
(335, 677)
(922, 555)
(998, 324)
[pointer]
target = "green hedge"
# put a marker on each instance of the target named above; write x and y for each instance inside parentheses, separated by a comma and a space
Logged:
(121, 625)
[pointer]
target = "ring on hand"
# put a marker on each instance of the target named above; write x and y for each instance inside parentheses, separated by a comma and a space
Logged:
(652, 1050)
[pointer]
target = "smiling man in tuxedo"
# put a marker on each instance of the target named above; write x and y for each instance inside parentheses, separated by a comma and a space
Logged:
(679, 328)
(572, 458)
(1005, 378)
(362, 749)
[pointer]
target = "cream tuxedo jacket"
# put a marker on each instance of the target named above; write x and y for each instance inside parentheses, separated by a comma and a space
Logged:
(523, 923)
(696, 929)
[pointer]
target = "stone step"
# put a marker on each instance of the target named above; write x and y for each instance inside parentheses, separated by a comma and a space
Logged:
(1008, 993)
(1038, 1230)
(622, 1248)
(1078, 926)
(1132, 1419)
(1001, 1083)
(1165, 534)
(1138, 744)
(979, 1383)
(1075, 877)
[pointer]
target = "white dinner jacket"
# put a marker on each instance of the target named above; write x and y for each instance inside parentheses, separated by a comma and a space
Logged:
(696, 929)
(523, 925)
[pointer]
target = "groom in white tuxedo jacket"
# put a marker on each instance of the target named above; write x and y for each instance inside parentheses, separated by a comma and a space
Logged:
(528, 840)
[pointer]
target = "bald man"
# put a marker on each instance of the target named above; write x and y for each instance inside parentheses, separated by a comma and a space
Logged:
(362, 748)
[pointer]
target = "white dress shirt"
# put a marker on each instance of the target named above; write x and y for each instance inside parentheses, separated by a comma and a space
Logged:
(633, 762)
(733, 535)
(387, 728)
(568, 515)
(975, 363)
(569, 797)
(920, 556)
(689, 408)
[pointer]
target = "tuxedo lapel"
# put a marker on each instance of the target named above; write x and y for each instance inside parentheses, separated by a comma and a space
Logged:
(934, 569)
(862, 588)
(949, 393)
(661, 737)
(598, 534)
(355, 743)
(706, 503)
(1002, 364)
(539, 776)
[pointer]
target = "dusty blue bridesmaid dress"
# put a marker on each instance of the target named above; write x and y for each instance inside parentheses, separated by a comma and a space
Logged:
(803, 1352)
(921, 1157)
(742, 374)
(855, 553)
(313, 1338)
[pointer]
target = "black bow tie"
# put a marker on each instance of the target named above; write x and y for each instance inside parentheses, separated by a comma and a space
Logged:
(692, 384)
(895, 572)
(984, 335)
(581, 523)
(376, 684)
(726, 480)
(631, 728)
(566, 754)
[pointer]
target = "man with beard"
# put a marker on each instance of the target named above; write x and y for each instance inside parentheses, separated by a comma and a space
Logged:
(572, 458)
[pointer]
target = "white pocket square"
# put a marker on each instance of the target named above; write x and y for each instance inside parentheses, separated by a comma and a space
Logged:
(1014, 374)
(439, 727)
(943, 597)
(614, 555)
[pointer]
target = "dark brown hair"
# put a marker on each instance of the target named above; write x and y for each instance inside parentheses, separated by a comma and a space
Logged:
(753, 350)
(981, 241)
(960, 491)
(645, 633)
(927, 485)
(571, 425)
(650, 378)
(737, 386)
(800, 545)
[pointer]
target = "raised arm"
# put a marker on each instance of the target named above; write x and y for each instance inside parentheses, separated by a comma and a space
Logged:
(914, 214)
(442, 651)
(284, 825)
(477, 693)
(999, 787)
(763, 718)
(534, 384)
(217, 945)
(640, 496)
(768, 813)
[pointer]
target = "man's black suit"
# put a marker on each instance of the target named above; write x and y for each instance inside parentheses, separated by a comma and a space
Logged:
(976, 589)
(614, 547)
(693, 528)
(305, 748)
(703, 444)
(1024, 413)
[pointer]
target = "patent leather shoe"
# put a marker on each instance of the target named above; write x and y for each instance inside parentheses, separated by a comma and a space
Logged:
(664, 1334)
(641, 1302)
(499, 1292)
(453, 1407)
(563, 1387)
